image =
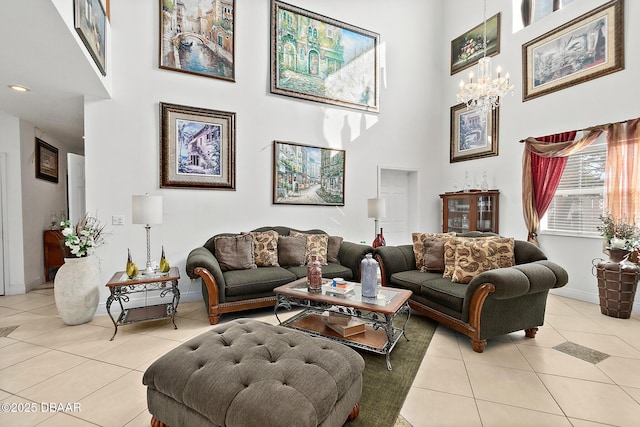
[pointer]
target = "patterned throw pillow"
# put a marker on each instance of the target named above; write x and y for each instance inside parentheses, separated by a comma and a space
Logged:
(473, 256)
(235, 252)
(316, 245)
(450, 253)
(265, 248)
(418, 245)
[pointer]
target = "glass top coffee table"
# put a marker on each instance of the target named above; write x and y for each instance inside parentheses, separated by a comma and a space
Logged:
(380, 334)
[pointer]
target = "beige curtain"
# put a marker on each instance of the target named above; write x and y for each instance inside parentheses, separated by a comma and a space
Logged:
(623, 170)
(546, 149)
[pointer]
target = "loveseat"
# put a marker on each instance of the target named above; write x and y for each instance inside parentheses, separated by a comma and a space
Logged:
(239, 271)
(498, 299)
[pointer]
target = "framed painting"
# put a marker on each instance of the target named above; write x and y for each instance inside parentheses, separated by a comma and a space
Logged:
(90, 22)
(467, 49)
(305, 175)
(198, 40)
(197, 148)
(320, 59)
(583, 49)
(46, 161)
(473, 136)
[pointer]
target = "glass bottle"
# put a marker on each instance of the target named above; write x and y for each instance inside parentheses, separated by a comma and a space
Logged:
(467, 182)
(484, 186)
(314, 274)
(379, 240)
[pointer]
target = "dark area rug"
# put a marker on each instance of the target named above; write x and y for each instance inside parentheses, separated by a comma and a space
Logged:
(384, 391)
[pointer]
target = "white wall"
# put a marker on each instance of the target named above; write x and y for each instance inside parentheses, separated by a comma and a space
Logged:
(611, 98)
(122, 134)
(40, 197)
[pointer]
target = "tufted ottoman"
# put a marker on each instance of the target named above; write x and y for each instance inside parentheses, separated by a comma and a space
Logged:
(250, 373)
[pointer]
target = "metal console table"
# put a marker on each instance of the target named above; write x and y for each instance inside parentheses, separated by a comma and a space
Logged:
(121, 288)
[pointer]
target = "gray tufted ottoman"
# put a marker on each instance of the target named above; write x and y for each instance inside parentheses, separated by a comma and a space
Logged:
(250, 373)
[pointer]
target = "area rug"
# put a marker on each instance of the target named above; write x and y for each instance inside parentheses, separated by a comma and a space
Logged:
(384, 391)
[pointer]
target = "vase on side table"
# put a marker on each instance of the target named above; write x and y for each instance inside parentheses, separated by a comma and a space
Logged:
(617, 283)
(379, 240)
(76, 290)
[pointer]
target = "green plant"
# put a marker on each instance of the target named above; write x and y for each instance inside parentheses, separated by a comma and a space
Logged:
(84, 237)
(619, 234)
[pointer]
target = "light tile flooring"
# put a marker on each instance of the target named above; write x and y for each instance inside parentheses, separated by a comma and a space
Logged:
(57, 375)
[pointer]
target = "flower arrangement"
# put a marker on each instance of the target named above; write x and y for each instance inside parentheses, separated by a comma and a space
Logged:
(619, 234)
(85, 237)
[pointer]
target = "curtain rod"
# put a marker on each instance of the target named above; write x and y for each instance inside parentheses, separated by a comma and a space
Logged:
(592, 127)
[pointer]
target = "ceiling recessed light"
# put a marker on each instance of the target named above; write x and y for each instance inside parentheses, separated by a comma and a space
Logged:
(19, 88)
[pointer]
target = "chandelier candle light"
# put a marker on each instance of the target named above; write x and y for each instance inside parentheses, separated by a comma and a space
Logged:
(147, 210)
(484, 93)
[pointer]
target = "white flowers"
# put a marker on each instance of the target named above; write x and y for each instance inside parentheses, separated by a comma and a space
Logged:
(84, 237)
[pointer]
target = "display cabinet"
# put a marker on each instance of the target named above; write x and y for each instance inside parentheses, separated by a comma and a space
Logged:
(470, 211)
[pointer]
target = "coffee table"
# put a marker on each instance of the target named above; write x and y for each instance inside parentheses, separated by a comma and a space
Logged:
(380, 335)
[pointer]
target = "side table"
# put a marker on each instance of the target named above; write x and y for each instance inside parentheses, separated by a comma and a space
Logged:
(121, 287)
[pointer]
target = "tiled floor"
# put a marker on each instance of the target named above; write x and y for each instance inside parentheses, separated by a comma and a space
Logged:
(58, 375)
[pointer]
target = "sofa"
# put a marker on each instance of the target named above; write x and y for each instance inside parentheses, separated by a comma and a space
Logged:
(494, 299)
(240, 270)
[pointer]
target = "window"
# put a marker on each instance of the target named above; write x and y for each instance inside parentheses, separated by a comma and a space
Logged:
(579, 199)
(537, 10)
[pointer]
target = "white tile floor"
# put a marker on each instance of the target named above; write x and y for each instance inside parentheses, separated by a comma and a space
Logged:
(515, 382)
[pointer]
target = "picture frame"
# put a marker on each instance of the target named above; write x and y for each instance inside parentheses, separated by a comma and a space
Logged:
(472, 135)
(202, 41)
(46, 161)
(197, 148)
(332, 62)
(587, 47)
(308, 175)
(467, 49)
(90, 22)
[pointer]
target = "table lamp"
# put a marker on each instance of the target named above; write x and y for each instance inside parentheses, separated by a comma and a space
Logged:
(376, 208)
(147, 210)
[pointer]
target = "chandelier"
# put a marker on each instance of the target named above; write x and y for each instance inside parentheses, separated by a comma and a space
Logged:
(484, 93)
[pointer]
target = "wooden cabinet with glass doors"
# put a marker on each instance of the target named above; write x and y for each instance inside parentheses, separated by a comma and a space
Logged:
(470, 211)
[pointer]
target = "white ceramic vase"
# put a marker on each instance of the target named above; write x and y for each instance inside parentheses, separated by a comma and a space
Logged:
(76, 291)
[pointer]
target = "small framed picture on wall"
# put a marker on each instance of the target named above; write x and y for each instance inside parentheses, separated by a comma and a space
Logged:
(46, 161)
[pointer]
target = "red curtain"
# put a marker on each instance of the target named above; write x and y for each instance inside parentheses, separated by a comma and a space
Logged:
(547, 171)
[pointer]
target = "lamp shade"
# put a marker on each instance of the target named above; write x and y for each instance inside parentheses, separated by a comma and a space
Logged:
(146, 209)
(376, 208)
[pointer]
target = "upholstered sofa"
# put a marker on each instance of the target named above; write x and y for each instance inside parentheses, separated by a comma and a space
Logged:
(494, 302)
(239, 271)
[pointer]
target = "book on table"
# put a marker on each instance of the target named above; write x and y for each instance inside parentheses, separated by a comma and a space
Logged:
(353, 327)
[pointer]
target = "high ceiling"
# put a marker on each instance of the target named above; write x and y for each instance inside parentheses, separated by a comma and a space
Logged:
(42, 53)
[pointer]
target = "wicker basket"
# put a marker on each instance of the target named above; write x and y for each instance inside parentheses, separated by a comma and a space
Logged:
(617, 284)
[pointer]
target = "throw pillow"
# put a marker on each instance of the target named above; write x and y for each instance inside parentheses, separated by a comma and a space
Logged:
(316, 245)
(418, 245)
(235, 252)
(333, 247)
(433, 255)
(450, 253)
(291, 251)
(265, 248)
(473, 256)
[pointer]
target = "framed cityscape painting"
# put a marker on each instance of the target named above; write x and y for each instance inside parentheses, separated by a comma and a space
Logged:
(473, 135)
(198, 40)
(583, 49)
(90, 22)
(317, 58)
(305, 175)
(467, 49)
(197, 148)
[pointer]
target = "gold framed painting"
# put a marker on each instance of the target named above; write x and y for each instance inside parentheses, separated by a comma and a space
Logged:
(473, 135)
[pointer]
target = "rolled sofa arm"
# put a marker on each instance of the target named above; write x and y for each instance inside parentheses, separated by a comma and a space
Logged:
(350, 255)
(393, 259)
(202, 257)
(511, 282)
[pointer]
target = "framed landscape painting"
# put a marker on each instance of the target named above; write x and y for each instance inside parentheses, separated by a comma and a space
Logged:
(198, 40)
(46, 161)
(472, 135)
(583, 49)
(321, 59)
(197, 148)
(467, 49)
(90, 22)
(305, 175)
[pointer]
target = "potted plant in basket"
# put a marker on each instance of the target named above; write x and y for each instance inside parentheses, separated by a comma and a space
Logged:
(618, 277)
(76, 284)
